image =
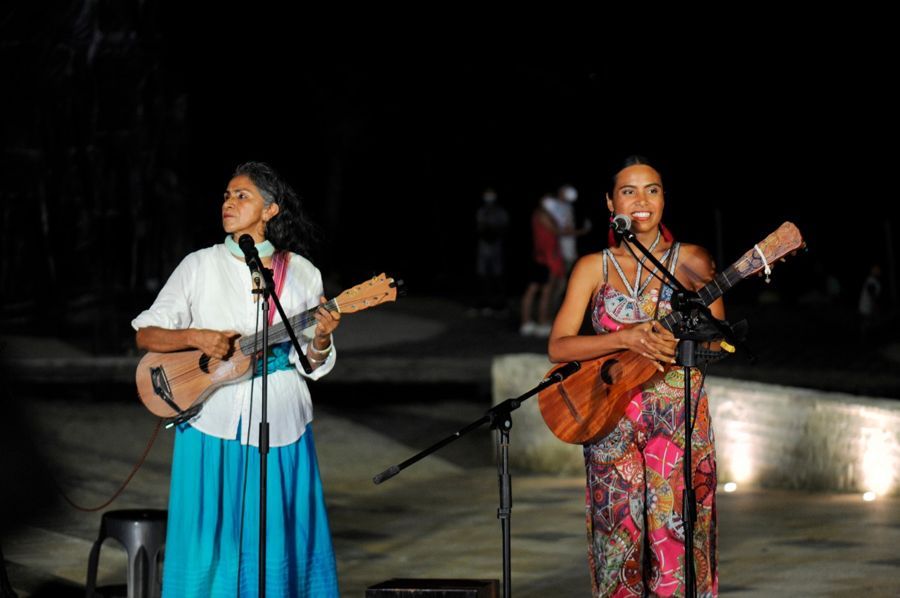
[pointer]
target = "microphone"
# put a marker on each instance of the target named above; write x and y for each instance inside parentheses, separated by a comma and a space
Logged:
(565, 371)
(251, 256)
(620, 223)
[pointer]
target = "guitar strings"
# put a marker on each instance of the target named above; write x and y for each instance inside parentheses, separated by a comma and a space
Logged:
(307, 318)
(189, 371)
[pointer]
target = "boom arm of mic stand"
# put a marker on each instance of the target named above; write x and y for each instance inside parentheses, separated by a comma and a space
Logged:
(268, 292)
(493, 415)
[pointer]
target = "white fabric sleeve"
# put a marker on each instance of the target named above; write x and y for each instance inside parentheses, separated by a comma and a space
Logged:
(172, 307)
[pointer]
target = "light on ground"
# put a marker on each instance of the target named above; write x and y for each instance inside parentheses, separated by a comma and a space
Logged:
(869, 496)
(730, 487)
(878, 461)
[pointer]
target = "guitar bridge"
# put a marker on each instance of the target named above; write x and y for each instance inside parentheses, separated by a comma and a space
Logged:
(162, 389)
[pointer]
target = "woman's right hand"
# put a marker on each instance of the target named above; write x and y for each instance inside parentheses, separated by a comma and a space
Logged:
(215, 343)
(652, 340)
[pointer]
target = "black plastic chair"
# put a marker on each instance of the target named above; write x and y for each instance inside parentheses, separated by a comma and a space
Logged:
(143, 534)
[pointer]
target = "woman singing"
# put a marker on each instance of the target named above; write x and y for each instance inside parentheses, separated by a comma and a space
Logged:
(634, 474)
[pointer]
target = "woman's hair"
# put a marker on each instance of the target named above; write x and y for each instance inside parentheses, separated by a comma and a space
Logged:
(290, 229)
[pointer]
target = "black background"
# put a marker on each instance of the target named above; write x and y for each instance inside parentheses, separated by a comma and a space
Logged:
(391, 125)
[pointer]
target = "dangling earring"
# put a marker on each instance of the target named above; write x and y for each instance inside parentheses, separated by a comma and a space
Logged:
(611, 236)
(666, 233)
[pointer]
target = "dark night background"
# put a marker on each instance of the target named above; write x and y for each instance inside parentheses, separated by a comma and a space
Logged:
(126, 119)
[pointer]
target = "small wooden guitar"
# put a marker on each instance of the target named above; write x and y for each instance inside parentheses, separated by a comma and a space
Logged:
(588, 404)
(174, 384)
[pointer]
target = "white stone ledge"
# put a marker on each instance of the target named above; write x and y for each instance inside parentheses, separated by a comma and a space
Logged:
(766, 435)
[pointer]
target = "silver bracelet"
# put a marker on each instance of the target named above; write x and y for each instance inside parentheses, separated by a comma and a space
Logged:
(323, 352)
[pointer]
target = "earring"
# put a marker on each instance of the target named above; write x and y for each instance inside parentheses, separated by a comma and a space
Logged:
(666, 233)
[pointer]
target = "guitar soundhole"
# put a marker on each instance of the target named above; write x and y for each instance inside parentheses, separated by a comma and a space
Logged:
(606, 373)
(204, 363)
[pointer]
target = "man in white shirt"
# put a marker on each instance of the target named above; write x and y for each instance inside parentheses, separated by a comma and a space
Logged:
(562, 208)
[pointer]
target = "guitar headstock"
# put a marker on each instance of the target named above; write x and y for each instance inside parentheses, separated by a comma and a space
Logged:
(786, 239)
(380, 289)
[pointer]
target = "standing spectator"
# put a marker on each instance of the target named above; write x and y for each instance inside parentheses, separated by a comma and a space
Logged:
(492, 221)
(547, 270)
(869, 298)
(562, 208)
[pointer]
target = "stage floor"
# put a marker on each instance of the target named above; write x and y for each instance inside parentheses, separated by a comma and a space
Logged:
(435, 519)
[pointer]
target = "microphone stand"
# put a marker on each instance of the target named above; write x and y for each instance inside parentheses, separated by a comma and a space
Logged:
(693, 313)
(500, 418)
(267, 291)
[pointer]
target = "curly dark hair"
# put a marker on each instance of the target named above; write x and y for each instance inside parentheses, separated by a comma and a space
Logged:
(290, 229)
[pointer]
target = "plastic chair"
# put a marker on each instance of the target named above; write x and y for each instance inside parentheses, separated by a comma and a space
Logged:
(143, 534)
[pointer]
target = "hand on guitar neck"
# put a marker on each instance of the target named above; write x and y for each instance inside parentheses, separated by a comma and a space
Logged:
(328, 321)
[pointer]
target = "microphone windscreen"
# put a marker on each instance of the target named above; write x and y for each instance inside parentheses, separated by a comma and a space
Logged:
(246, 242)
(621, 223)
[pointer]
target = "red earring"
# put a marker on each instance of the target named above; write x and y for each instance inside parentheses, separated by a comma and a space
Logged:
(611, 236)
(666, 233)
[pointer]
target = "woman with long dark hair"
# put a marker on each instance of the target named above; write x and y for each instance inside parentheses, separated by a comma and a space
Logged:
(634, 473)
(213, 535)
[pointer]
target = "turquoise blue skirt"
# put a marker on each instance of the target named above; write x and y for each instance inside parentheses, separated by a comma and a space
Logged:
(201, 555)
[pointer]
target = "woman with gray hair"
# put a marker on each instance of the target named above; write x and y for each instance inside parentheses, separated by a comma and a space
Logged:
(207, 303)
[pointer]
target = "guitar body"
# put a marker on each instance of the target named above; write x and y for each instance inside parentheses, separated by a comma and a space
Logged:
(588, 404)
(187, 378)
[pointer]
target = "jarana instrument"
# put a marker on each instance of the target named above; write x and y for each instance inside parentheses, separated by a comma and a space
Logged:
(172, 384)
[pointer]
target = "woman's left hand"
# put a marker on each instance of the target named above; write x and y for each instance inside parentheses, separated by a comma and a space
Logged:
(328, 322)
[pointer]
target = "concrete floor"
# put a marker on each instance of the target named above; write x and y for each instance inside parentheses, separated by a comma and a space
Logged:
(438, 517)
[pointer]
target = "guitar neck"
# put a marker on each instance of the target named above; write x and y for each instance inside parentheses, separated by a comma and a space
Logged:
(785, 239)
(278, 333)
